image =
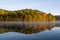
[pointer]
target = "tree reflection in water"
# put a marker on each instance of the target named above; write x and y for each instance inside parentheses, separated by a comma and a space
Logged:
(26, 28)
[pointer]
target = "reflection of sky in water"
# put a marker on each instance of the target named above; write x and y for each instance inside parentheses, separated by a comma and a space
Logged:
(53, 34)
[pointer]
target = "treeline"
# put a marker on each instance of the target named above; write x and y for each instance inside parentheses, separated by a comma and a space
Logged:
(26, 15)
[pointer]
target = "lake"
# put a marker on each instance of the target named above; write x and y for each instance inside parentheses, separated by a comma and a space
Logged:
(29, 31)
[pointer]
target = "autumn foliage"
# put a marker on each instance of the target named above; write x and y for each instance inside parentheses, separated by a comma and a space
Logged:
(26, 15)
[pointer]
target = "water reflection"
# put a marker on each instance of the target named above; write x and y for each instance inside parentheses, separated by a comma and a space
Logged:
(26, 28)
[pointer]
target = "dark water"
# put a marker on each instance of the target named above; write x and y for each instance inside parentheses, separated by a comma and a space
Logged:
(32, 31)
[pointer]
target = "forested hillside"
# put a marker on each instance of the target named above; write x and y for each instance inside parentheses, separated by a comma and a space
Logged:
(26, 15)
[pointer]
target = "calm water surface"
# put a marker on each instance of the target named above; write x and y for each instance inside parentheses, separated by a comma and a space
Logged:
(47, 32)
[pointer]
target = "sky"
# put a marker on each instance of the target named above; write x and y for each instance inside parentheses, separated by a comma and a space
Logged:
(49, 6)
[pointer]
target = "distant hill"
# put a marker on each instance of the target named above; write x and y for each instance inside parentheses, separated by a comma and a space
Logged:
(57, 17)
(26, 15)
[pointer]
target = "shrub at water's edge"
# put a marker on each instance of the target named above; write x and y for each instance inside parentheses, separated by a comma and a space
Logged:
(26, 15)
